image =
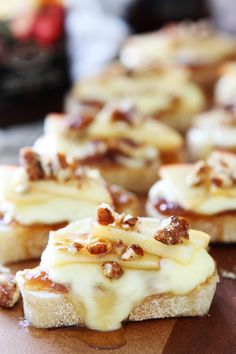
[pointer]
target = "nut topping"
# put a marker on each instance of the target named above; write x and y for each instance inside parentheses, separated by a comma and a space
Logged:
(99, 247)
(199, 174)
(222, 180)
(132, 222)
(219, 171)
(174, 231)
(31, 161)
(132, 252)
(122, 116)
(112, 270)
(79, 122)
(55, 167)
(9, 292)
(75, 247)
(62, 160)
(105, 214)
(118, 247)
(40, 167)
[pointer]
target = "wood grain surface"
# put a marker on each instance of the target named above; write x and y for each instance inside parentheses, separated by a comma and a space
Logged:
(215, 333)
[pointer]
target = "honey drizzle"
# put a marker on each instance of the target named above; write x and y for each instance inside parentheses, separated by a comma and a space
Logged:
(94, 339)
(39, 280)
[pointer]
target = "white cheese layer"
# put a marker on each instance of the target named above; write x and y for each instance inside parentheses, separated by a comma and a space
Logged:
(174, 188)
(210, 131)
(225, 89)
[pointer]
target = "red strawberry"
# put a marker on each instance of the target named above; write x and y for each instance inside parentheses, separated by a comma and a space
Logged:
(48, 25)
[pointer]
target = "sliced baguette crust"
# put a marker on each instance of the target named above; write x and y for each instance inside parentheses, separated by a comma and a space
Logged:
(221, 228)
(46, 310)
(19, 242)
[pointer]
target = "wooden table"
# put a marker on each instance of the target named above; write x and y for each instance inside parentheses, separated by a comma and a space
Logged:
(212, 334)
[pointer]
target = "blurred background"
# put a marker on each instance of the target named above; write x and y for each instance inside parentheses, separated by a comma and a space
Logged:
(46, 45)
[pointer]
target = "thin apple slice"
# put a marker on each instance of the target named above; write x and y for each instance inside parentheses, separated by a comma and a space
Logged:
(181, 253)
(146, 262)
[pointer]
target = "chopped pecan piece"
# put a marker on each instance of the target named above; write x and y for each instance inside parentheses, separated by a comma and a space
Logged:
(112, 270)
(79, 122)
(31, 161)
(118, 247)
(199, 174)
(131, 221)
(122, 116)
(105, 214)
(99, 247)
(62, 160)
(132, 252)
(222, 180)
(9, 292)
(175, 230)
(75, 247)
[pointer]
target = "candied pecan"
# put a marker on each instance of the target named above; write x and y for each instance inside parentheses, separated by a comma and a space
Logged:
(92, 103)
(175, 230)
(99, 247)
(132, 252)
(112, 270)
(132, 221)
(31, 161)
(62, 160)
(222, 179)
(105, 215)
(118, 247)
(199, 174)
(9, 292)
(75, 247)
(122, 116)
(79, 122)
(217, 181)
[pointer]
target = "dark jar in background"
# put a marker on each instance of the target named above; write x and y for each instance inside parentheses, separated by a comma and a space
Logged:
(33, 61)
(149, 15)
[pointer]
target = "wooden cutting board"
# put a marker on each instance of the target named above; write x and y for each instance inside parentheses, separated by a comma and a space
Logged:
(215, 333)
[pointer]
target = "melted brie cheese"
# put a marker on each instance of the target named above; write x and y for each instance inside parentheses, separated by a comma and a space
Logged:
(160, 47)
(104, 303)
(225, 89)
(173, 187)
(49, 201)
(210, 131)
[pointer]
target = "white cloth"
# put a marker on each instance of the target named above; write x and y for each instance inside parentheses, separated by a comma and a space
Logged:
(95, 31)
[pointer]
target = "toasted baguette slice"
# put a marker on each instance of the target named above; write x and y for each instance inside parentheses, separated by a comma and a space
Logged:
(45, 309)
(137, 180)
(221, 227)
(19, 242)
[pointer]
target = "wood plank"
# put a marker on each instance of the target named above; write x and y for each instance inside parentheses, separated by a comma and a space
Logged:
(215, 333)
(211, 334)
